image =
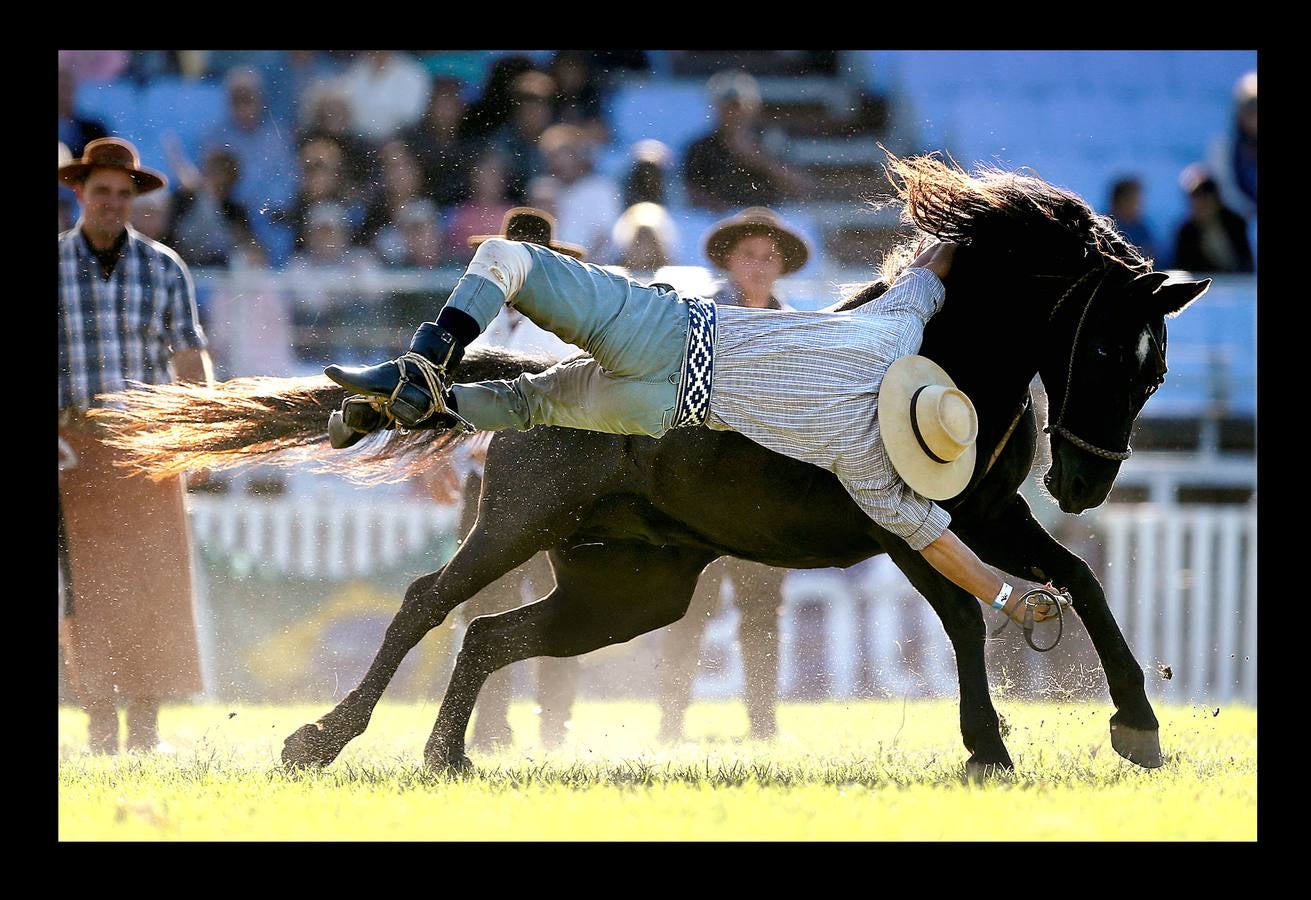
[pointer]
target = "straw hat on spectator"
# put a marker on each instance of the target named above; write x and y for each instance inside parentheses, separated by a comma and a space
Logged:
(531, 226)
(111, 153)
(752, 221)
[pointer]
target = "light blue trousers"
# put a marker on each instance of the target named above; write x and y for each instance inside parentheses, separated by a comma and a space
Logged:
(635, 338)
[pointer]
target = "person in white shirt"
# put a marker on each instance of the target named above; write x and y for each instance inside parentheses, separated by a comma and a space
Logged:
(387, 91)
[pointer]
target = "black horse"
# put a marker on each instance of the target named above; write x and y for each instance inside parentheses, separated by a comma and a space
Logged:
(1040, 284)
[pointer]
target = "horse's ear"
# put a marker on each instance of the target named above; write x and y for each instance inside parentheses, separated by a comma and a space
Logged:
(1172, 299)
(1148, 282)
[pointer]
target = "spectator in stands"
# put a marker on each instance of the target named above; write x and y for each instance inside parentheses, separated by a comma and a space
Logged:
(1232, 156)
(323, 179)
(644, 238)
(263, 151)
(492, 110)
(328, 245)
(543, 191)
(586, 203)
(288, 75)
(147, 66)
(755, 249)
(1127, 211)
(578, 94)
(209, 227)
(414, 240)
(75, 131)
(152, 217)
(387, 91)
(327, 114)
(443, 155)
(1213, 238)
(402, 183)
(530, 115)
(486, 207)
(647, 178)
(729, 167)
(94, 65)
(334, 297)
(132, 635)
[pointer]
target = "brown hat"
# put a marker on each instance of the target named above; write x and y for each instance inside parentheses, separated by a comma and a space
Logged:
(531, 226)
(111, 153)
(751, 221)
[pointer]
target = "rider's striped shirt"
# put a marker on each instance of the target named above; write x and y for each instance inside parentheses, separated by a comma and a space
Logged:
(806, 384)
(125, 327)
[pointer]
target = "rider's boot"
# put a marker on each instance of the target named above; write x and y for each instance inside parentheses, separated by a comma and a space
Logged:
(413, 388)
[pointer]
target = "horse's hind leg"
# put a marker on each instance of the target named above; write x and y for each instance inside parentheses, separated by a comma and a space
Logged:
(962, 618)
(603, 595)
(1013, 540)
(485, 555)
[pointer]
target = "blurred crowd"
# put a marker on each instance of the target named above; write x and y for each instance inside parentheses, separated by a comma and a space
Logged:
(336, 165)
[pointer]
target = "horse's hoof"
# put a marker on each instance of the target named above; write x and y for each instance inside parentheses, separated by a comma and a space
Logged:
(449, 764)
(307, 747)
(1138, 745)
(979, 772)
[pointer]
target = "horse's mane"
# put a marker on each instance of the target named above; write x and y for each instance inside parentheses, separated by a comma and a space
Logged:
(992, 208)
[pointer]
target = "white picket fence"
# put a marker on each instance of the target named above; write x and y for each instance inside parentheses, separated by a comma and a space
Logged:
(1181, 582)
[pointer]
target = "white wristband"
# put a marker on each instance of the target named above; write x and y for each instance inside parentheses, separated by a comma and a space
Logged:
(1002, 596)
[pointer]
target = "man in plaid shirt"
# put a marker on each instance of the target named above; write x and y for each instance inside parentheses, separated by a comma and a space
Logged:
(804, 384)
(127, 312)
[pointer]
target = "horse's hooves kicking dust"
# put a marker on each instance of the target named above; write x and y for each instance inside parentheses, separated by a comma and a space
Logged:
(984, 773)
(1139, 746)
(308, 747)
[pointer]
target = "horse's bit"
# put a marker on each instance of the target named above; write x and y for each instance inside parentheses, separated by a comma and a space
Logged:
(1032, 600)
(1059, 425)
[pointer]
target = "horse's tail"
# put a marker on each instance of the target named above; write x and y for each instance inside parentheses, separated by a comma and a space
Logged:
(167, 429)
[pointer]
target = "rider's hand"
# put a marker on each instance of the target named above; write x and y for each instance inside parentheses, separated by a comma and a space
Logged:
(937, 258)
(1015, 605)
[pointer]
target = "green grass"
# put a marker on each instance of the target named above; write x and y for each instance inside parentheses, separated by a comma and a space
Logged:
(868, 770)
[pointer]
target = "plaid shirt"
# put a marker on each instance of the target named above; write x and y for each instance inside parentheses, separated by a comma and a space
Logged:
(125, 327)
(806, 384)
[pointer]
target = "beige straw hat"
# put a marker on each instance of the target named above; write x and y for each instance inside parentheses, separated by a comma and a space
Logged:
(929, 428)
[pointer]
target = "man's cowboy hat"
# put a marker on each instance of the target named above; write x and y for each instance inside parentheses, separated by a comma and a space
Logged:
(928, 426)
(752, 221)
(532, 226)
(111, 153)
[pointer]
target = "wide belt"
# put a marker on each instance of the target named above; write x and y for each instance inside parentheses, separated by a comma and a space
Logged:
(698, 373)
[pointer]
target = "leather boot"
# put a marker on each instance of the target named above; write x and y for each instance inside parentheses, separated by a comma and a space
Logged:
(415, 405)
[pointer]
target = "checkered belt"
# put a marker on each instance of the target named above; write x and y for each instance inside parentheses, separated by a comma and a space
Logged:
(698, 365)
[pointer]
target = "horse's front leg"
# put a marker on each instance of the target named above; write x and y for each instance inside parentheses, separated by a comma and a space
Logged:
(1013, 540)
(962, 618)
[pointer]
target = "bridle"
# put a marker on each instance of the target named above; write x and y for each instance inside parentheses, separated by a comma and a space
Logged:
(1057, 421)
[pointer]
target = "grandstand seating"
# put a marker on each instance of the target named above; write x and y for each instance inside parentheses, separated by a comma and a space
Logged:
(1078, 118)
(1108, 107)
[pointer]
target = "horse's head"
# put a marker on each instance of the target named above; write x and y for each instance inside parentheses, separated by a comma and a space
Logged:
(1054, 283)
(1105, 357)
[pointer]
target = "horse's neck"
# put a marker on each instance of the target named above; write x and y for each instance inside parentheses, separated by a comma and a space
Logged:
(988, 342)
